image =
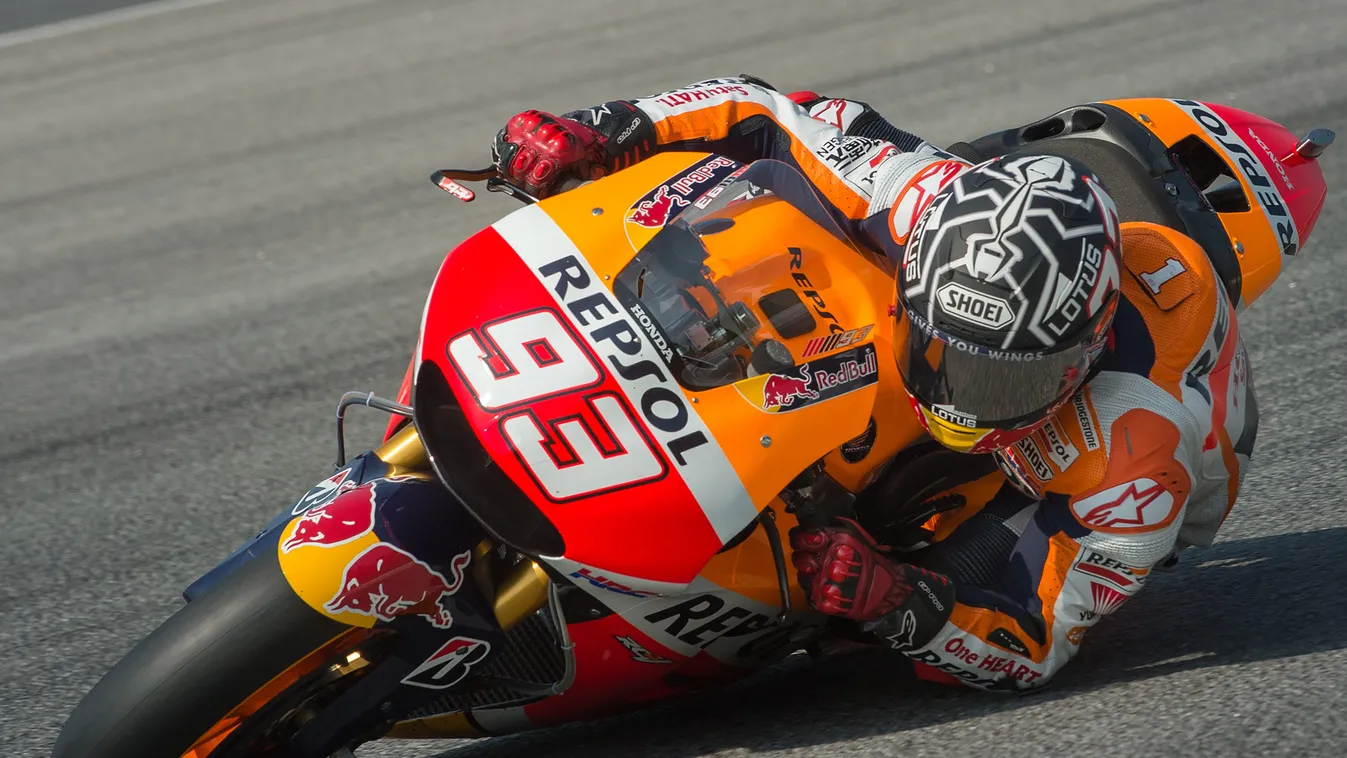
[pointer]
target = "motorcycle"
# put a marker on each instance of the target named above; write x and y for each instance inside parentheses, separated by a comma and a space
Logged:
(619, 399)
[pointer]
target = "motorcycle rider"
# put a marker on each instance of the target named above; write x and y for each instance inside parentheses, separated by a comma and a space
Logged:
(1115, 391)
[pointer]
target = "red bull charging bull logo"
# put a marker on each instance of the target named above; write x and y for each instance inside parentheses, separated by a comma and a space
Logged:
(660, 206)
(784, 389)
(655, 212)
(347, 518)
(813, 382)
(385, 582)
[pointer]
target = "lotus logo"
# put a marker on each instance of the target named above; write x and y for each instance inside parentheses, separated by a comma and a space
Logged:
(974, 307)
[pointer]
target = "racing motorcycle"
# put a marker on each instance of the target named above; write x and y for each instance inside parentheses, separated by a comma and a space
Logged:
(619, 399)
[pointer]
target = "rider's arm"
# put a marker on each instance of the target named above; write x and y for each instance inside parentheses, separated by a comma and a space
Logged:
(858, 119)
(1020, 612)
(632, 137)
(857, 160)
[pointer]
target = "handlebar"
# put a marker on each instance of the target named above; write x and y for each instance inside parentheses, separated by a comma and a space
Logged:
(451, 180)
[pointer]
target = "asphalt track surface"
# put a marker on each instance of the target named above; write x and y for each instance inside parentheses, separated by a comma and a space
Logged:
(213, 221)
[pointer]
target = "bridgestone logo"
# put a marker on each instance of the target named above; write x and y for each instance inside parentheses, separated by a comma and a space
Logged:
(656, 337)
(974, 307)
(1087, 428)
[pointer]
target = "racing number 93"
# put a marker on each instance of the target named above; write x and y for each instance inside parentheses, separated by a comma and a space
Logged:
(575, 436)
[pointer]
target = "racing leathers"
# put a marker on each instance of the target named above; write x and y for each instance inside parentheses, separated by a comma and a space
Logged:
(1145, 460)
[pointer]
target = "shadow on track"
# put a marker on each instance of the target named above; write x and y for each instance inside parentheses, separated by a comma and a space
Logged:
(1233, 603)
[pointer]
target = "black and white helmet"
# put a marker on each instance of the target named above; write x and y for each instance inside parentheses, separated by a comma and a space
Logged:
(1008, 287)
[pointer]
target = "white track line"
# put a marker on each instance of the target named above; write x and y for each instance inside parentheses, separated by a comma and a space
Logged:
(97, 21)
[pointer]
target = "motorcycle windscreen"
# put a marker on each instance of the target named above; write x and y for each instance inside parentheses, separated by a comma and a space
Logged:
(697, 286)
(551, 397)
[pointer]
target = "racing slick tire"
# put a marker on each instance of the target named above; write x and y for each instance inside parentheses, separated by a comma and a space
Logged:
(187, 678)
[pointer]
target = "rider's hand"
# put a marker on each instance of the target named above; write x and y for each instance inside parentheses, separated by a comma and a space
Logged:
(539, 152)
(845, 573)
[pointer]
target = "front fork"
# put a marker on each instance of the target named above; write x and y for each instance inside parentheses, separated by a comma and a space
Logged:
(490, 633)
(514, 591)
(395, 566)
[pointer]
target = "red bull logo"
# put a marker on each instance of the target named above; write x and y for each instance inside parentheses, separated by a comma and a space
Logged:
(817, 381)
(385, 582)
(347, 518)
(662, 204)
(783, 389)
(655, 212)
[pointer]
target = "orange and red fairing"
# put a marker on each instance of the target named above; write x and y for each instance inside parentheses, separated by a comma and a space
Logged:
(1285, 189)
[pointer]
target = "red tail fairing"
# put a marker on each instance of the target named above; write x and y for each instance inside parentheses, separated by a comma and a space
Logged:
(1298, 178)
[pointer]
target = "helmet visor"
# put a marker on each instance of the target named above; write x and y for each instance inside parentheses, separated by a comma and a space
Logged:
(979, 388)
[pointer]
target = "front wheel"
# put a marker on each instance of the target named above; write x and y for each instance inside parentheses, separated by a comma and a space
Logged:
(232, 674)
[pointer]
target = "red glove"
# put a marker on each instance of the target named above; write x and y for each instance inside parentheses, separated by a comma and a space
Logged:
(845, 572)
(538, 152)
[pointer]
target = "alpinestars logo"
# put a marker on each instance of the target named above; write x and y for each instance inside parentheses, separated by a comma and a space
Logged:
(902, 639)
(1140, 505)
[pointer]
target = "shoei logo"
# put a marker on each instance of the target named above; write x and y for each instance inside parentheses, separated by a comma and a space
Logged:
(974, 307)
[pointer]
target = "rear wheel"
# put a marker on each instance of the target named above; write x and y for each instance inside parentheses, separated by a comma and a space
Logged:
(234, 673)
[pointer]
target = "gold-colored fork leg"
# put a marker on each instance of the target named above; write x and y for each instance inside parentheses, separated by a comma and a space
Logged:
(523, 589)
(404, 452)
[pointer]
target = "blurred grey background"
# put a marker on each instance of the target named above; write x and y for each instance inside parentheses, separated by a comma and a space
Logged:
(26, 14)
(216, 219)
